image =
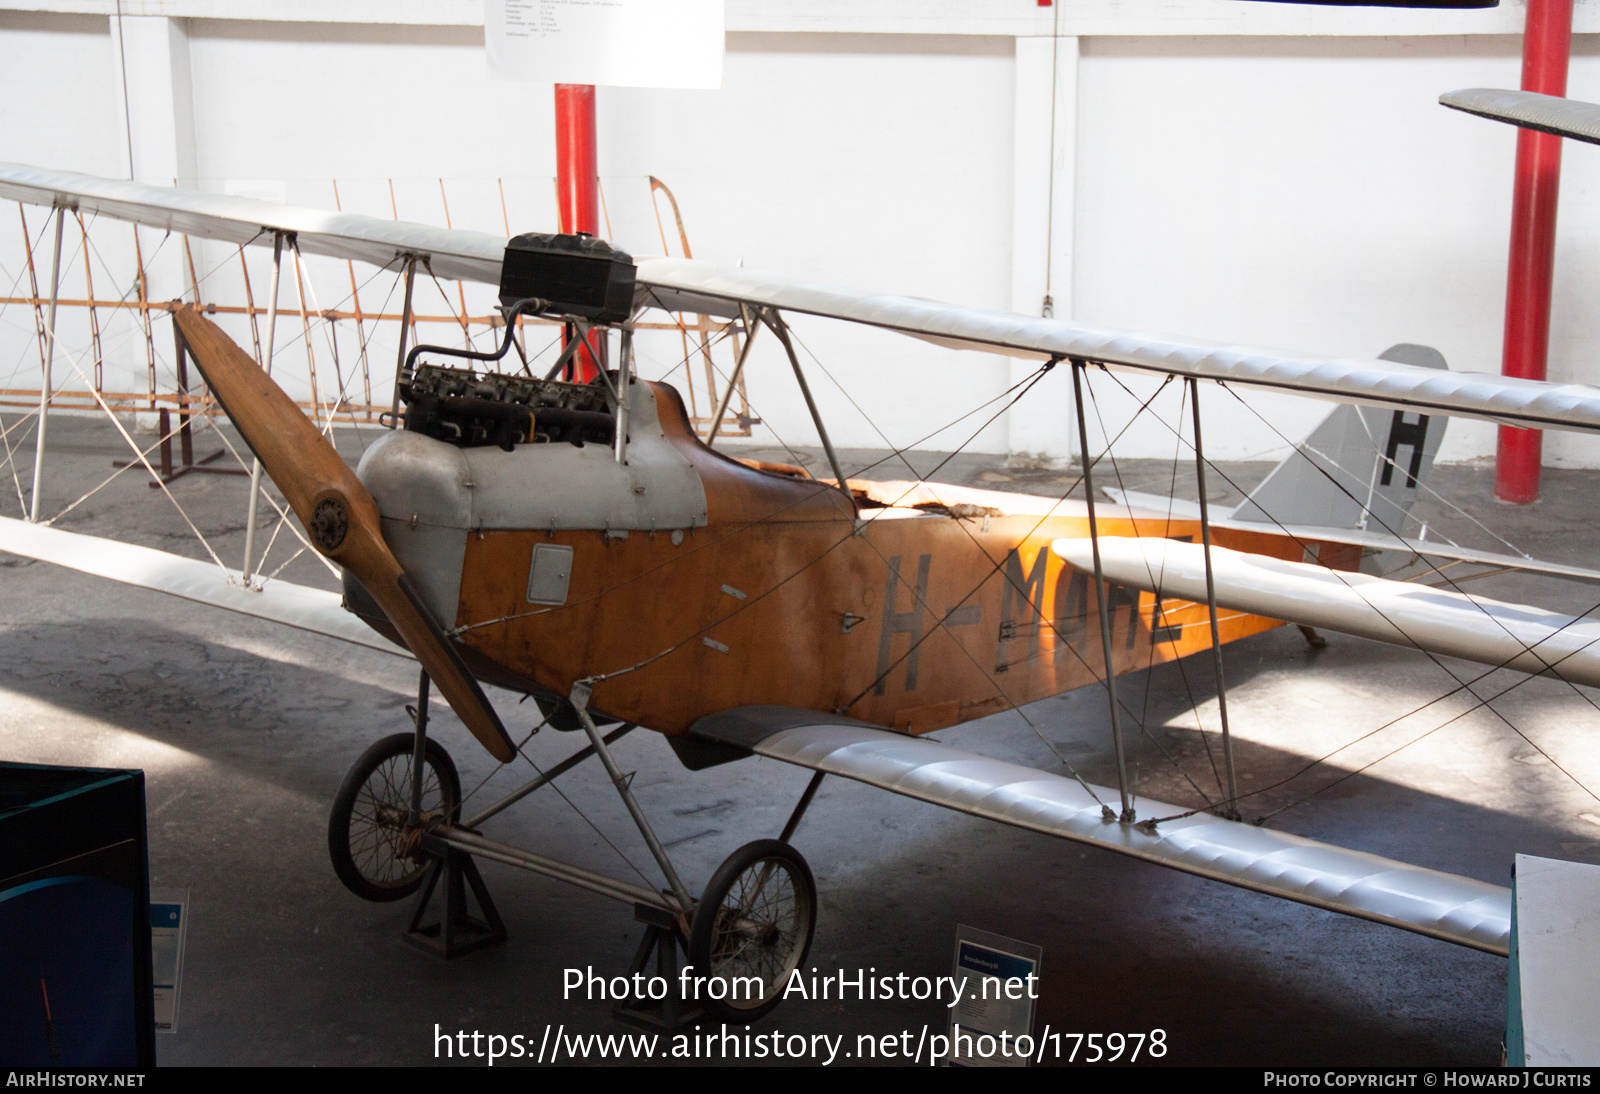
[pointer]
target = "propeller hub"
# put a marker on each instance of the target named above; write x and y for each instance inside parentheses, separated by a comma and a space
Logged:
(330, 521)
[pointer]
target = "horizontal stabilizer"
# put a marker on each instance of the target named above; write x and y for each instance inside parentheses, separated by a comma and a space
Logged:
(1178, 509)
(1455, 909)
(1440, 621)
(204, 582)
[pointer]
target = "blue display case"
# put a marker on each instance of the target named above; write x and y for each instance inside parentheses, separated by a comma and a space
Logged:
(75, 980)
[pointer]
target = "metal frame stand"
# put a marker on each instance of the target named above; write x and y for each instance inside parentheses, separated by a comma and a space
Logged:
(457, 931)
(170, 473)
(663, 938)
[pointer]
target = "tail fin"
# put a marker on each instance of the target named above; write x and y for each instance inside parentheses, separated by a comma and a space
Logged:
(1360, 468)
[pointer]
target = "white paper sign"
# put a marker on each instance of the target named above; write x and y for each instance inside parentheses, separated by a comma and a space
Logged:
(620, 43)
(169, 922)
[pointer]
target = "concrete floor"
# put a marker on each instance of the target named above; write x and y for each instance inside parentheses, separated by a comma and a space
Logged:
(244, 730)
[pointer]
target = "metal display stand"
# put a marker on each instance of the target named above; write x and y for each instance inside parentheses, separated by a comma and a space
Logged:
(457, 931)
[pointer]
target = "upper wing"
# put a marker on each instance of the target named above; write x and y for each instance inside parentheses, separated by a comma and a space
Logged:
(1456, 909)
(688, 285)
(683, 284)
(451, 253)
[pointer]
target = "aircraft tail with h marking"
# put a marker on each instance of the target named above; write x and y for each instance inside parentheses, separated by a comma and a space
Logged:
(1361, 468)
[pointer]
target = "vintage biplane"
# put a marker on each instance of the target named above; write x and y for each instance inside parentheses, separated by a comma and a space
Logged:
(579, 543)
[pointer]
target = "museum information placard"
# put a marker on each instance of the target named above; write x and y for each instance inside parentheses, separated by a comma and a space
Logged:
(1004, 975)
(168, 926)
(619, 43)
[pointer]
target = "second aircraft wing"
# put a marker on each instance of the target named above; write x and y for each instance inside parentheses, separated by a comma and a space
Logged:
(1445, 906)
(1401, 613)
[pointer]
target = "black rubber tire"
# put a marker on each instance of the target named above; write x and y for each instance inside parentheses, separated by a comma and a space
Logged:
(364, 825)
(773, 945)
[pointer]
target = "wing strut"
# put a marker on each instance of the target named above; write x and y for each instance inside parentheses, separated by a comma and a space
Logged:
(1231, 807)
(49, 359)
(775, 321)
(400, 376)
(255, 463)
(1128, 814)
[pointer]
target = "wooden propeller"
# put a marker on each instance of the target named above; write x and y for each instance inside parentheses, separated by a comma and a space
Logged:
(339, 516)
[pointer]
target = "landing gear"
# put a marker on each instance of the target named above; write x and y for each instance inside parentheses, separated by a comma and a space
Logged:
(755, 920)
(376, 854)
(395, 829)
(1313, 639)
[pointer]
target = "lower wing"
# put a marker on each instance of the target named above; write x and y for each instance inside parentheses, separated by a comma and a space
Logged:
(204, 582)
(1445, 906)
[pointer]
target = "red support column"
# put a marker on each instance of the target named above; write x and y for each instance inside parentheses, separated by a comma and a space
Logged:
(1546, 46)
(578, 185)
(577, 179)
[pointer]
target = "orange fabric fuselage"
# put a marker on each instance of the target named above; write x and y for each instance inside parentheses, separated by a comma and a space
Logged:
(916, 618)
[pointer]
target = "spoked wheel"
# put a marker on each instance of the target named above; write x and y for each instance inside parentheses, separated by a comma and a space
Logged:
(373, 853)
(754, 921)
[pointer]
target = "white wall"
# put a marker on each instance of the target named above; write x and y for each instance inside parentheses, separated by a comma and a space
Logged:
(1311, 194)
(57, 83)
(882, 161)
(1284, 177)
